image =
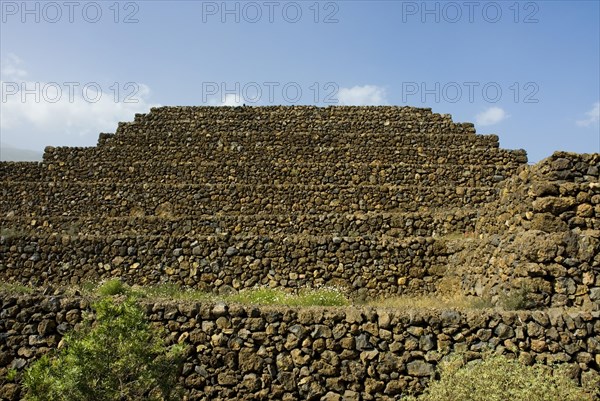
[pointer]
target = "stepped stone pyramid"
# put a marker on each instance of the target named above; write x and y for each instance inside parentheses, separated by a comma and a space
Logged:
(377, 201)
(369, 199)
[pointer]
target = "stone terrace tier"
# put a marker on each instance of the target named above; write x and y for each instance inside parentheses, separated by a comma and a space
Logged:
(316, 154)
(301, 118)
(370, 266)
(94, 199)
(215, 139)
(396, 225)
(228, 172)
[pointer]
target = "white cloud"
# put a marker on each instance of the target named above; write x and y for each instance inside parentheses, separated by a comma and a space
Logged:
(593, 116)
(367, 95)
(231, 99)
(11, 68)
(491, 116)
(59, 116)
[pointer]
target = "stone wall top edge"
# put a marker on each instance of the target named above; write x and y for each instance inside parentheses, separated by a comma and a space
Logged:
(227, 307)
(20, 163)
(566, 154)
(552, 162)
(291, 107)
(283, 108)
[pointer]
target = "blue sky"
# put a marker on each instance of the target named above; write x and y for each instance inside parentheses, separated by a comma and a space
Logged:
(528, 71)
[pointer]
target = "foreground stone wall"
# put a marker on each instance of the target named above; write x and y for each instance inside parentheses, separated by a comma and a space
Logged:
(245, 352)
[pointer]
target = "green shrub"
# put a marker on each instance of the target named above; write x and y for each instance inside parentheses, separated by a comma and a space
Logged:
(112, 287)
(118, 357)
(12, 375)
(516, 299)
(497, 378)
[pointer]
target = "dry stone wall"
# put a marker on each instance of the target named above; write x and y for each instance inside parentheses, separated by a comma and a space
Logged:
(377, 224)
(338, 193)
(273, 173)
(542, 235)
(305, 154)
(89, 199)
(246, 352)
(296, 119)
(224, 263)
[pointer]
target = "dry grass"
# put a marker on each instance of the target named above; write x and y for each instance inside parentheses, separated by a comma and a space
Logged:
(433, 302)
(15, 288)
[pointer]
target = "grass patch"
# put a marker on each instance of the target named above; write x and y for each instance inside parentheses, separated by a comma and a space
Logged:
(260, 296)
(112, 287)
(326, 296)
(321, 297)
(271, 296)
(171, 291)
(167, 291)
(15, 288)
(433, 302)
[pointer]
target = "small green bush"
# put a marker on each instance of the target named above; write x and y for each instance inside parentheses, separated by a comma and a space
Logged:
(12, 375)
(112, 287)
(118, 357)
(516, 299)
(497, 378)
